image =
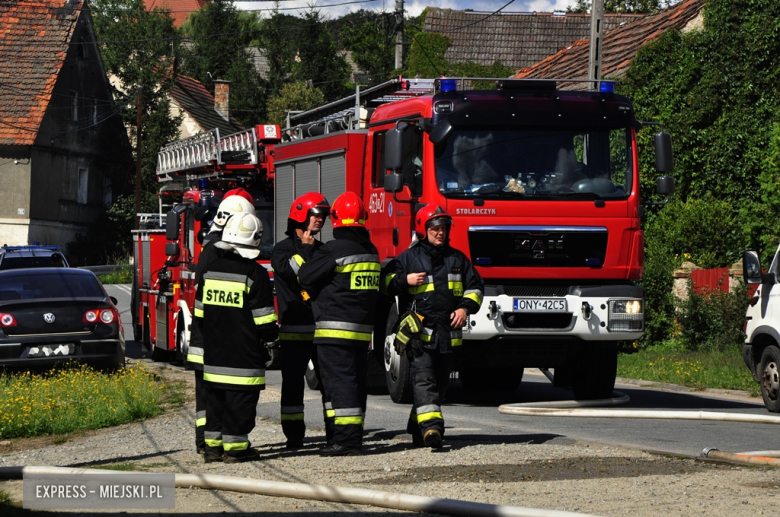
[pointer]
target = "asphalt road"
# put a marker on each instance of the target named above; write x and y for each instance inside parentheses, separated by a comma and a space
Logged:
(475, 416)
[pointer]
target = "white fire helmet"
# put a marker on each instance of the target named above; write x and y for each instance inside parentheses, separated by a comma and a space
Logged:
(244, 233)
(229, 206)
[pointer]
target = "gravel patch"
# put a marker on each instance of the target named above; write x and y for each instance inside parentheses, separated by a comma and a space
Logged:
(559, 475)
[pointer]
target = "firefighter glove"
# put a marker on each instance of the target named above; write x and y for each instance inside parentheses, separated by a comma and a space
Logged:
(409, 327)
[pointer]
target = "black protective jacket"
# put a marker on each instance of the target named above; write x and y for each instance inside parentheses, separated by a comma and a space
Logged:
(234, 308)
(206, 257)
(343, 279)
(452, 283)
(296, 321)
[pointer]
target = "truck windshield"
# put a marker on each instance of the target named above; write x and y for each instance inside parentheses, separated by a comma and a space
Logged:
(531, 164)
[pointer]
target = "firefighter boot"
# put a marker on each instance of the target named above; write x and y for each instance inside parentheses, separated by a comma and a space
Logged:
(432, 439)
(242, 456)
(339, 450)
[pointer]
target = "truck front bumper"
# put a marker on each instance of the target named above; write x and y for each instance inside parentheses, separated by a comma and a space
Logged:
(592, 313)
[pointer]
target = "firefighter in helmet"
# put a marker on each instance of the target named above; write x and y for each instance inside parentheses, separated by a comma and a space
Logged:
(438, 288)
(343, 279)
(236, 201)
(296, 322)
(234, 308)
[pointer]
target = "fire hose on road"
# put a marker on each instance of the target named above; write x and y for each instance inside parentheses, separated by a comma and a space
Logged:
(412, 503)
(578, 409)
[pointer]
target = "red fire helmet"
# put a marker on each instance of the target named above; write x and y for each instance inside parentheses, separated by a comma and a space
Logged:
(348, 210)
(309, 203)
(431, 215)
(240, 192)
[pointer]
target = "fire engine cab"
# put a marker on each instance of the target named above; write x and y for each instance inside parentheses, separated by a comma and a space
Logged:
(543, 187)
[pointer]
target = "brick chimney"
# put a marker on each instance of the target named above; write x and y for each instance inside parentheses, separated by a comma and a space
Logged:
(222, 98)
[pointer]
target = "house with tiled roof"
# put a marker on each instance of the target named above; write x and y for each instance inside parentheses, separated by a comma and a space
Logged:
(201, 111)
(619, 45)
(180, 9)
(61, 138)
(516, 39)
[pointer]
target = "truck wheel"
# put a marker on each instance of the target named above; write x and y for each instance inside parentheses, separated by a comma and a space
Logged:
(770, 378)
(595, 375)
(312, 381)
(399, 379)
(491, 379)
(162, 356)
(181, 343)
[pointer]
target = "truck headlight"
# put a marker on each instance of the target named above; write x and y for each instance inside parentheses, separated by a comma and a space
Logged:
(626, 315)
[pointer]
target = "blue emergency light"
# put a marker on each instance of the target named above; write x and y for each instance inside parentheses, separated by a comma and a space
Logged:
(448, 85)
(203, 184)
(606, 87)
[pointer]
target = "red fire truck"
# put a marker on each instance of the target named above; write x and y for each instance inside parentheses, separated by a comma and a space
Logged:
(543, 187)
(195, 172)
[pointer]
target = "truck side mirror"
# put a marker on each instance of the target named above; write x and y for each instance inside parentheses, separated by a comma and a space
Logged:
(394, 149)
(172, 226)
(394, 182)
(751, 267)
(172, 249)
(665, 185)
(664, 158)
(440, 132)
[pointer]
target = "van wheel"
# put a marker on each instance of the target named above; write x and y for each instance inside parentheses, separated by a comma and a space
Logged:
(770, 378)
(397, 374)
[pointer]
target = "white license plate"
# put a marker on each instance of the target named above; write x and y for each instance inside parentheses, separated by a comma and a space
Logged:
(540, 305)
(52, 350)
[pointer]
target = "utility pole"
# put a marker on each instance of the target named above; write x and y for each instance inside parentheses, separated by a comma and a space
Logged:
(399, 34)
(138, 158)
(596, 25)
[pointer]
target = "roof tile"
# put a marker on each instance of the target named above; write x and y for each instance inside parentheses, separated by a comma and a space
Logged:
(516, 39)
(619, 47)
(34, 39)
(196, 100)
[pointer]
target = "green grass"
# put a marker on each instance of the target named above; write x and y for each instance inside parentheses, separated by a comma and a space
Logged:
(65, 400)
(699, 370)
(121, 277)
(117, 466)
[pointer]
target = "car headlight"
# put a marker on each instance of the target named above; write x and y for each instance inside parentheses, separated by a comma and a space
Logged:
(626, 315)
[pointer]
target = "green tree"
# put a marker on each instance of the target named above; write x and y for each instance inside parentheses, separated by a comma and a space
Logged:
(371, 38)
(294, 96)
(137, 47)
(277, 42)
(622, 6)
(318, 59)
(219, 50)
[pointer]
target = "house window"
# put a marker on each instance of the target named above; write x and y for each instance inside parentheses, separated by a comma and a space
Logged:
(81, 195)
(74, 106)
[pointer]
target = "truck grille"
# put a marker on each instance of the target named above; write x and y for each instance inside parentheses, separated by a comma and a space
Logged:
(536, 290)
(538, 246)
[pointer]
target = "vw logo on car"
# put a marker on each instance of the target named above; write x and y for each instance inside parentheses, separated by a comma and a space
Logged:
(49, 317)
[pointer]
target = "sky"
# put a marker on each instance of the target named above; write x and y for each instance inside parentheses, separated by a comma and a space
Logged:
(337, 8)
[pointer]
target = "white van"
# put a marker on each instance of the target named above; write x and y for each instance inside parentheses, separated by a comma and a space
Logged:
(761, 351)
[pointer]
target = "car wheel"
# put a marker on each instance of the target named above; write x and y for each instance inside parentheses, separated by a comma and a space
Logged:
(770, 378)
(397, 374)
(595, 375)
(491, 379)
(312, 381)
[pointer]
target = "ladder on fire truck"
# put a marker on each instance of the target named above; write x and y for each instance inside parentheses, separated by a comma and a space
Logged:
(353, 111)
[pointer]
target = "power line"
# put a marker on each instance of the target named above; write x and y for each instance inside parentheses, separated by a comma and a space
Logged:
(468, 24)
